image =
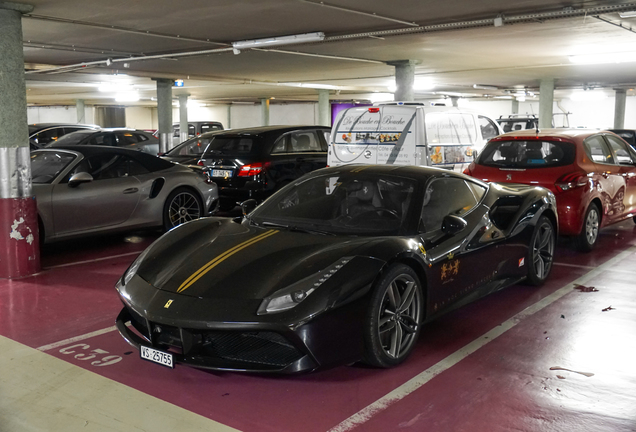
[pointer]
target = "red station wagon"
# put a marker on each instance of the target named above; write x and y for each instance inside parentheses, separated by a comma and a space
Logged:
(591, 173)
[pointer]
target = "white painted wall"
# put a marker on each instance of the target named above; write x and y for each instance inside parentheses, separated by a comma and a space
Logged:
(140, 118)
(58, 114)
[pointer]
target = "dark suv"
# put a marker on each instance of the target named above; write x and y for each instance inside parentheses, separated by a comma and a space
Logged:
(256, 162)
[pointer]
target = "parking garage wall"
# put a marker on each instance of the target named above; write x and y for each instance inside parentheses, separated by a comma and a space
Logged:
(58, 114)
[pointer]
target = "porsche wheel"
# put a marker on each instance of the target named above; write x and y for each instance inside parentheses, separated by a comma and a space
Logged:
(182, 205)
(541, 251)
(394, 316)
(586, 239)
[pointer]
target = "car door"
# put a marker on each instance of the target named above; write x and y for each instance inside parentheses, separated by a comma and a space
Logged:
(457, 269)
(607, 177)
(625, 157)
(307, 150)
(107, 201)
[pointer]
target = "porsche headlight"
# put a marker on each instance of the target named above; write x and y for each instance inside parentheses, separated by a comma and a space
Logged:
(289, 297)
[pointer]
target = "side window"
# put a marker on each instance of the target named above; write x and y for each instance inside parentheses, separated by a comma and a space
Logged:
(124, 139)
(68, 130)
(488, 128)
(327, 135)
(597, 150)
(191, 131)
(621, 155)
(175, 131)
(140, 137)
(281, 145)
(477, 190)
(48, 135)
(108, 166)
(303, 142)
(444, 197)
(208, 127)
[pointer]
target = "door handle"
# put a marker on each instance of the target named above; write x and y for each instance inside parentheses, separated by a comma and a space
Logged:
(131, 190)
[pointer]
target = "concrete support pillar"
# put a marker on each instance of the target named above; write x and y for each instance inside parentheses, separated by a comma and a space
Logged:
(19, 239)
(81, 111)
(265, 112)
(619, 109)
(454, 101)
(164, 113)
(229, 117)
(404, 79)
(183, 117)
(324, 108)
(546, 100)
(514, 109)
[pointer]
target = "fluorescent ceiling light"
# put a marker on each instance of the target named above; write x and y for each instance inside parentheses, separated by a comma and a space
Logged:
(623, 57)
(485, 87)
(115, 88)
(310, 85)
(627, 14)
(279, 40)
(587, 95)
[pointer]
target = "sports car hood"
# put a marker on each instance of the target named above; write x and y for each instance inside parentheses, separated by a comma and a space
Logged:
(219, 258)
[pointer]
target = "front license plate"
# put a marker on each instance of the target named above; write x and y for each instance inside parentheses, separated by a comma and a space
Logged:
(156, 356)
(221, 173)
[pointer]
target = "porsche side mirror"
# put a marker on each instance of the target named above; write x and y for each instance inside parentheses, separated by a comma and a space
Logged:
(248, 205)
(452, 224)
(79, 178)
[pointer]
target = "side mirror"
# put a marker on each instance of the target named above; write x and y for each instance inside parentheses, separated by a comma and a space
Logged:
(452, 224)
(248, 206)
(78, 178)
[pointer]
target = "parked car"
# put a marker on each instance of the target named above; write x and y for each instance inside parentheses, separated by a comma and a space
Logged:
(629, 135)
(195, 129)
(83, 190)
(592, 174)
(41, 134)
(189, 152)
(515, 122)
(255, 162)
(115, 137)
(365, 252)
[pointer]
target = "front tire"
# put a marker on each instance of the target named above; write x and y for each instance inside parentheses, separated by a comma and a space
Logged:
(541, 251)
(182, 205)
(394, 317)
(588, 236)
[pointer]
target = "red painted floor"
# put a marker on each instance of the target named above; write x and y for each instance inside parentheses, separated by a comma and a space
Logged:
(505, 385)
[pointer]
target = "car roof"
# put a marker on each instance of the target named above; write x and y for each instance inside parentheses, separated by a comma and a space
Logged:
(260, 130)
(151, 162)
(40, 126)
(554, 133)
(413, 171)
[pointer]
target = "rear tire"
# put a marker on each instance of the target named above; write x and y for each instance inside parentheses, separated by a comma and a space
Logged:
(541, 252)
(393, 320)
(182, 205)
(588, 236)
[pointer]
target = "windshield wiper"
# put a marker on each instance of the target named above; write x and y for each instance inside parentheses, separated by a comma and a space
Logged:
(296, 228)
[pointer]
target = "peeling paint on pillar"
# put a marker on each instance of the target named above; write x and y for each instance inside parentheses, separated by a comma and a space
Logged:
(19, 239)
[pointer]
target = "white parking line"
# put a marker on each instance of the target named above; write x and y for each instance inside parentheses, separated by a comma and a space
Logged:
(76, 338)
(418, 381)
(93, 260)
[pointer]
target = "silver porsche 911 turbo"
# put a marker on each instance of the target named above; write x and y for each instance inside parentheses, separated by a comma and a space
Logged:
(93, 189)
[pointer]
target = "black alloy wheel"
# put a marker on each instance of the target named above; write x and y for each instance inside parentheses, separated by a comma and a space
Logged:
(588, 236)
(182, 205)
(541, 251)
(394, 317)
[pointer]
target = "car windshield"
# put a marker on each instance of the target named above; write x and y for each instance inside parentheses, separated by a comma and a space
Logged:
(233, 146)
(527, 154)
(341, 203)
(71, 139)
(46, 165)
(192, 147)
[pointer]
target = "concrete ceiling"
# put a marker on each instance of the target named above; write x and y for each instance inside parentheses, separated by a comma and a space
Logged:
(71, 48)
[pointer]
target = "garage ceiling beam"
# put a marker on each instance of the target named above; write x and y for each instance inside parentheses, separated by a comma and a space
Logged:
(369, 14)
(629, 29)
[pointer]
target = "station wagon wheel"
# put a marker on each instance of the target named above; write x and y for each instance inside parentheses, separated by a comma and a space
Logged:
(588, 236)
(182, 205)
(541, 251)
(394, 317)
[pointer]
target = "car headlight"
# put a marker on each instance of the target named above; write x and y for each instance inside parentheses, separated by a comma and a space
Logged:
(289, 297)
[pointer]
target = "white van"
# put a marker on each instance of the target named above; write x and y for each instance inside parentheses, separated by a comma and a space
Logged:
(409, 134)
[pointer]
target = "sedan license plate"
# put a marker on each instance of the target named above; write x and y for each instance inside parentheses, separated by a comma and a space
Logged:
(221, 173)
(156, 356)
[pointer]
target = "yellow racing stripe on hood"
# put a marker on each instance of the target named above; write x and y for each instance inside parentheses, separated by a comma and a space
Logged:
(220, 258)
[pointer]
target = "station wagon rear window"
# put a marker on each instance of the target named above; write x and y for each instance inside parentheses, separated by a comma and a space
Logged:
(527, 154)
(232, 146)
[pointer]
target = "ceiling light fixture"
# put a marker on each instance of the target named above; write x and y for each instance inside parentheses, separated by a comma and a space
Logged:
(485, 87)
(604, 58)
(127, 97)
(627, 14)
(279, 40)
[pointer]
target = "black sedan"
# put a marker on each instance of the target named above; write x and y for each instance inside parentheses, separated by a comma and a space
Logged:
(344, 264)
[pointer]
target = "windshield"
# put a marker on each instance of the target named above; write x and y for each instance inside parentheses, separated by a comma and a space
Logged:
(46, 165)
(72, 138)
(342, 204)
(192, 147)
(527, 154)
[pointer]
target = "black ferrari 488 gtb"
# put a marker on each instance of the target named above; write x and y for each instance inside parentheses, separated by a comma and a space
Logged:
(344, 264)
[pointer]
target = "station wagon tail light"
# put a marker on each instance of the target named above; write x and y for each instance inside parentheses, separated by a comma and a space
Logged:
(571, 181)
(249, 170)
